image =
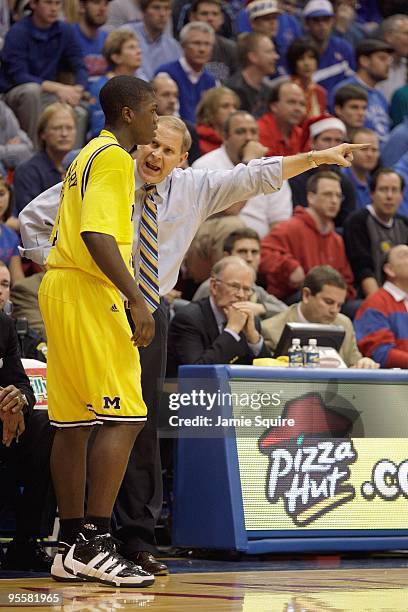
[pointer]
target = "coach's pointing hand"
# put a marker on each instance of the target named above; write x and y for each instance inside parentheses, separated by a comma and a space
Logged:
(342, 155)
(144, 323)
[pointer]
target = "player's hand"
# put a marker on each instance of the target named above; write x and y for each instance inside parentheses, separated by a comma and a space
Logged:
(342, 155)
(144, 324)
(13, 426)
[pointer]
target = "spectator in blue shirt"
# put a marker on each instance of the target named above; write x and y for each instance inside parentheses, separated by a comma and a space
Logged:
(92, 15)
(397, 144)
(374, 60)
(197, 39)
(402, 168)
(56, 133)
(35, 50)
(364, 163)
(336, 55)
(156, 43)
(8, 238)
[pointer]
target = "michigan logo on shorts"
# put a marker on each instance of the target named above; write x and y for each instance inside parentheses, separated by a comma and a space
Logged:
(111, 402)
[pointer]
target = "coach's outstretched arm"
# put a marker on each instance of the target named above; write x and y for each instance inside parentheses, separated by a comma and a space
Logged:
(342, 155)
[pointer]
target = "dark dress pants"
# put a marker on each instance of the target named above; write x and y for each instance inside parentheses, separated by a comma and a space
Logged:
(28, 478)
(139, 502)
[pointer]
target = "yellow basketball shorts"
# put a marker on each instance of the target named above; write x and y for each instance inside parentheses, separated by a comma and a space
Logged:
(93, 369)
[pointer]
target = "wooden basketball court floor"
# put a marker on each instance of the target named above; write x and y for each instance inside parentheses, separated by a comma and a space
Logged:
(368, 584)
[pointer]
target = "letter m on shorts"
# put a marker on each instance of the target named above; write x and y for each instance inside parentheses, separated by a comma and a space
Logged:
(111, 402)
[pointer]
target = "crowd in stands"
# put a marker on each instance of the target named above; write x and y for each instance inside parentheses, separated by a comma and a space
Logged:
(250, 78)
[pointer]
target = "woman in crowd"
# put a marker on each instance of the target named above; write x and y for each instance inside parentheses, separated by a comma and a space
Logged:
(214, 108)
(302, 59)
(122, 52)
(8, 238)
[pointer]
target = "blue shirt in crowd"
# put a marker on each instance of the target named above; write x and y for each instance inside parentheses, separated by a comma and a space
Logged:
(402, 168)
(8, 244)
(92, 48)
(154, 52)
(189, 93)
(32, 177)
(362, 190)
(396, 145)
(377, 117)
(335, 64)
(33, 55)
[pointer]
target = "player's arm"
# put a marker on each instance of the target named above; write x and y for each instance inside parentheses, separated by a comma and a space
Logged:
(342, 155)
(104, 250)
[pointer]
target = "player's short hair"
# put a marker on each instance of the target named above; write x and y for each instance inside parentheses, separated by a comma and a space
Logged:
(349, 92)
(323, 275)
(313, 181)
(380, 172)
(115, 41)
(123, 91)
(297, 49)
(176, 124)
(240, 234)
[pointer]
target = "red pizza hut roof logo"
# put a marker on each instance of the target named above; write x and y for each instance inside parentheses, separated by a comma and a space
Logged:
(309, 462)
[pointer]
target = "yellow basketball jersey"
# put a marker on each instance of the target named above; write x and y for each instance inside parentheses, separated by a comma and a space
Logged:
(97, 196)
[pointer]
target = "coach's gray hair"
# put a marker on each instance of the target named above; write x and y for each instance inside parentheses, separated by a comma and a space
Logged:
(201, 26)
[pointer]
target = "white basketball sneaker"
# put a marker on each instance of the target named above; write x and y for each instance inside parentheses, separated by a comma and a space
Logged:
(97, 560)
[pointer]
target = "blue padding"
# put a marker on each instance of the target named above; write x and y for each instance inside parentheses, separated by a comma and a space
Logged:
(331, 545)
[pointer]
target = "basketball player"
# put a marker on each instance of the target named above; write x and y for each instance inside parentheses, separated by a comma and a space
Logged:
(93, 369)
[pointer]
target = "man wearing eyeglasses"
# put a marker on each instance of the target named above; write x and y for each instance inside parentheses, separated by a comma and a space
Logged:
(221, 328)
(306, 240)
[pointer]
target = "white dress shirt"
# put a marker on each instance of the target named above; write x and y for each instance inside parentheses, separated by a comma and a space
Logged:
(261, 211)
(185, 199)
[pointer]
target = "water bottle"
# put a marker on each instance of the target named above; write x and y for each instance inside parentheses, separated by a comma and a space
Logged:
(295, 354)
(312, 355)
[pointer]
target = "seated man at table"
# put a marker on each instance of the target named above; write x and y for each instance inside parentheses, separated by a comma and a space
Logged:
(323, 294)
(221, 328)
(381, 322)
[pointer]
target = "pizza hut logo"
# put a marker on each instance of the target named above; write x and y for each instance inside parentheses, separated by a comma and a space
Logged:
(309, 464)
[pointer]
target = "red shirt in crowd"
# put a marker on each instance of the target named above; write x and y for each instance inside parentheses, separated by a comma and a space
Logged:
(298, 242)
(271, 136)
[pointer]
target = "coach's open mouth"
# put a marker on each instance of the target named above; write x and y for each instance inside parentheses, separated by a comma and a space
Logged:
(152, 167)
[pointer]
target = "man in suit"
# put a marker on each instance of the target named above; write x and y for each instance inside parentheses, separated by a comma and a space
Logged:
(24, 295)
(221, 328)
(323, 294)
(28, 462)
